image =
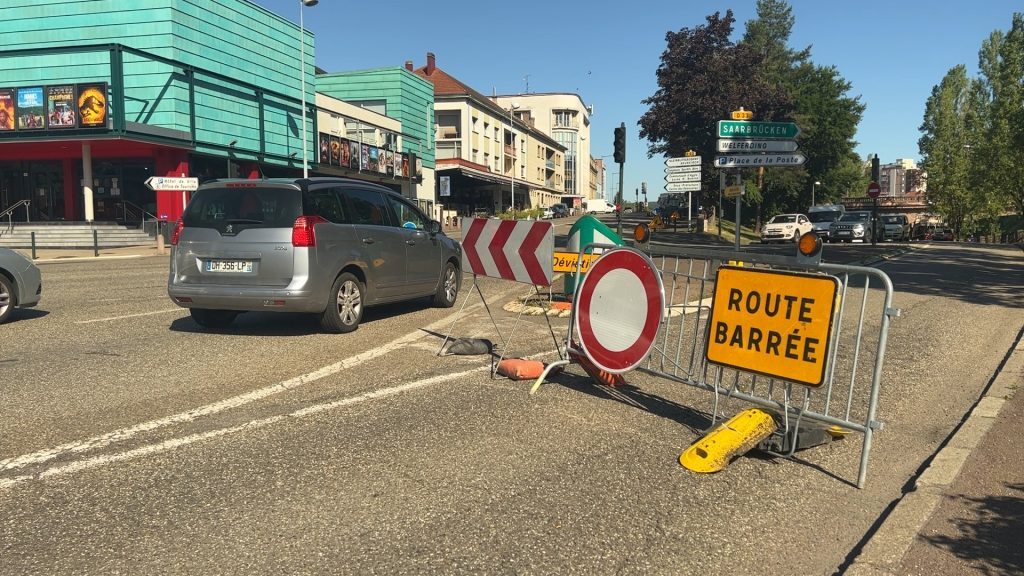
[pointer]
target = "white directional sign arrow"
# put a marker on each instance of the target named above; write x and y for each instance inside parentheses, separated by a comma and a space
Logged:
(681, 169)
(174, 184)
(684, 161)
(683, 177)
(748, 160)
(682, 186)
(750, 145)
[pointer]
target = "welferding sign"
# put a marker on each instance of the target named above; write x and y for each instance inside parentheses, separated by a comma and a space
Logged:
(773, 323)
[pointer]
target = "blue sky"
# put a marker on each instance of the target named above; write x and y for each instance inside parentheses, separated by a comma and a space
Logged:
(892, 53)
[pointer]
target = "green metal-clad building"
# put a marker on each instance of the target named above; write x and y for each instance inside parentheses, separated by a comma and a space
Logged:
(101, 95)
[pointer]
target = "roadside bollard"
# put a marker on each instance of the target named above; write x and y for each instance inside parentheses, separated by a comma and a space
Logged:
(95, 242)
(34, 246)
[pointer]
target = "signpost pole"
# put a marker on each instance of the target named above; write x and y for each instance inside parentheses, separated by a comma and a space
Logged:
(618, 218)
(738, 223)
(721, 186)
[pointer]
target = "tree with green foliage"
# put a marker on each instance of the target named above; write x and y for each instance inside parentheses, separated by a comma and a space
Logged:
(827, 116)
(951, 126)
(1001, 63)
(703, 76)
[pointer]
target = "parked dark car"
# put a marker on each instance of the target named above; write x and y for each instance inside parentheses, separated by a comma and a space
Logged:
(560, 210)
(943, 234)
(329, 246)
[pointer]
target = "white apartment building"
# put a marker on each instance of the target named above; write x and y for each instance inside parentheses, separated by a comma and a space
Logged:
(566, 119)
(901, 178)
(489, 156)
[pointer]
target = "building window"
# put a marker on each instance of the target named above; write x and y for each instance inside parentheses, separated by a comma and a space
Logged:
(378, 106)
(568, 140)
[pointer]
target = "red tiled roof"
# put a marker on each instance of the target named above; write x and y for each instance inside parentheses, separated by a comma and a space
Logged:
(447, 85)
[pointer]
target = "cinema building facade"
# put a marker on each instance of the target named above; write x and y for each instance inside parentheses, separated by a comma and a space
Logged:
(94, 101)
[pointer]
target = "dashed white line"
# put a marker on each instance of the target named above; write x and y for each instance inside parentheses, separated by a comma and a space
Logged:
(112, 318)
(98, 461)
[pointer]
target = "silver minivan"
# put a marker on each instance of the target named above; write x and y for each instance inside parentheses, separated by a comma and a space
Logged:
(329, 246)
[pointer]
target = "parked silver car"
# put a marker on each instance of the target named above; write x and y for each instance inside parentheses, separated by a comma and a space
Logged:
(21, 284)
(329, 246)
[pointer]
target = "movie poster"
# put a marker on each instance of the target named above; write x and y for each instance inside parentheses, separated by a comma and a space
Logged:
(405, 165)
(325, 154)
(6, 109)
(397, 168)
(374, 159)
(353, 157)
(335, 151)
(31, 108)
(364, 161)
(60, 106)
(92, 105)
(389, 162)
(346, 151)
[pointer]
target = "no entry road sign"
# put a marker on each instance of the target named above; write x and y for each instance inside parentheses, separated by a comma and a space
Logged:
(619, 307)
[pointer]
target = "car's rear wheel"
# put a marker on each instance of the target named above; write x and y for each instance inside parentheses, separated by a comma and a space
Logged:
(448, 289)
(6, 298)
(345, 309)
(213, 318)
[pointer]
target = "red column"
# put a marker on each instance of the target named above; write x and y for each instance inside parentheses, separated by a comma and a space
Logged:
(171, 203)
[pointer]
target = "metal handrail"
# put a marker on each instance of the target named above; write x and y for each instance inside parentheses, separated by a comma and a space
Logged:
(144, 216)
(9, 211)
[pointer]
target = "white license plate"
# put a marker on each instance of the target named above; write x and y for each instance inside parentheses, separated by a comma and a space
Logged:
(237, 266)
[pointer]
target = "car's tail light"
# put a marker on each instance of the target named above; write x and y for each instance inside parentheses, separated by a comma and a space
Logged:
(303, 235)
(177, 232)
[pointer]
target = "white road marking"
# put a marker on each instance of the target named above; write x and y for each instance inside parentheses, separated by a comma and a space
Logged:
(174, 443)
(112, 318)
(190, 415)
(103, 440)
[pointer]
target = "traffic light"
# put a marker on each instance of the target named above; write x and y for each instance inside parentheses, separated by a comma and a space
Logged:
(620, 144)
(875, 171)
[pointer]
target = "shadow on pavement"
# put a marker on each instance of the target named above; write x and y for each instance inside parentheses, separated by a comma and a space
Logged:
(990, 540)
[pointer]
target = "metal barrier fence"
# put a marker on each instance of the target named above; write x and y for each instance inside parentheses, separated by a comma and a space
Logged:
(850, 384)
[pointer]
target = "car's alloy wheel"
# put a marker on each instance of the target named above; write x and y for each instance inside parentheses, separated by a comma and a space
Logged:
(345, 310)
(6, 299)
(448, 290)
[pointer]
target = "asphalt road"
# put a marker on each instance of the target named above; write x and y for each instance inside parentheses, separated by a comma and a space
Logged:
(132, 442)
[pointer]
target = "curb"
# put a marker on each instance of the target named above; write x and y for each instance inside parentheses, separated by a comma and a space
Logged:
(86, 258)
(882, 554)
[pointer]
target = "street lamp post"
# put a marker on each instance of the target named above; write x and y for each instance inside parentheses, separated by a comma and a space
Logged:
(302, 79)
(511, 129)
(813, 186)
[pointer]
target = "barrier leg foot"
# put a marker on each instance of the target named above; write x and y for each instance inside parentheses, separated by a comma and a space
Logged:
(544, 374)
(729, 439)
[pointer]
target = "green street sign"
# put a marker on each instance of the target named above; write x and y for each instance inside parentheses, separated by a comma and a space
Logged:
(767, 130)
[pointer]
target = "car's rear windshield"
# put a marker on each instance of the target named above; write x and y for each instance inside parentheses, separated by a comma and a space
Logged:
(892, 220)
(825, 216)
(243, 207)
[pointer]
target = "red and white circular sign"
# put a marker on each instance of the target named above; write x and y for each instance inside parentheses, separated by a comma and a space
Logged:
(619, 306)
(874, 190)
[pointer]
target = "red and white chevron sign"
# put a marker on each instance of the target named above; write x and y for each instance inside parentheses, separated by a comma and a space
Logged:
(519, 250)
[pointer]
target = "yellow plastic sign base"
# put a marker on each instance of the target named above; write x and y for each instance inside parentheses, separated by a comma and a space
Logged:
(732, 438)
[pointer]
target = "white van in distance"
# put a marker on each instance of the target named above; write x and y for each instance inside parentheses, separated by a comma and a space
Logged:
(597, 206)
